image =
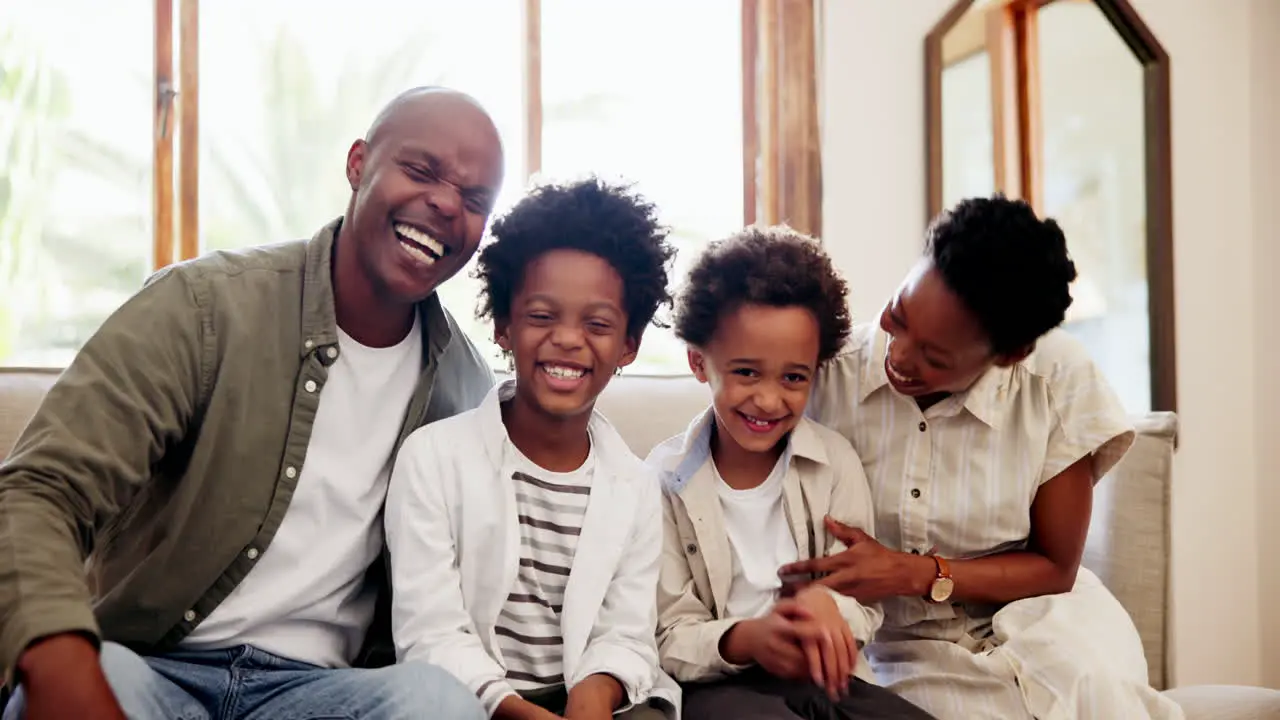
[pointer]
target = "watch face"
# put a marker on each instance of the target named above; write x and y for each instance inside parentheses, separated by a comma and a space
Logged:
(941, 589)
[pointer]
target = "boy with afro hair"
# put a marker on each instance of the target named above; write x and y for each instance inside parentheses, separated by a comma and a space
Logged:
(747, 488)
(524, 535)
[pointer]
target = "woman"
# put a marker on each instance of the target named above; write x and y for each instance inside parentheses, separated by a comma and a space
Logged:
(983, 429)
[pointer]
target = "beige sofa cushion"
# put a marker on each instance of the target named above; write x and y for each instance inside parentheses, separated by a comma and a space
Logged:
(648, 410)
(21, 390)
(1128, 545)
(1227, 702)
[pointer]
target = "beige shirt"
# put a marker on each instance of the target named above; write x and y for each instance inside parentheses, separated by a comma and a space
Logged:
(960, 477)
(823, 476)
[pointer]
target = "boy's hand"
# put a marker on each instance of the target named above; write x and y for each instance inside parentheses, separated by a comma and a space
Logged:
(514, 707)
(595, 698)
(835, 658)
(775, 642)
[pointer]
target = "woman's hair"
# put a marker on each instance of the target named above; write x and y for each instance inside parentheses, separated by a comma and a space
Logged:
(592, 216)
(774, 266)
(1010, 268)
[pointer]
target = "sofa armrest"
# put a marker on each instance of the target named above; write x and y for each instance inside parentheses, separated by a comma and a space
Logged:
(1227, 702)
(1128, 544)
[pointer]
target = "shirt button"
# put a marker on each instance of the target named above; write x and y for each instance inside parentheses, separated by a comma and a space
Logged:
(189, 615)
(308, 344)
(923, 426)
(691, 548)
(291, 472)
(915, 492)
(331, 352)
(251, 553)
(310, 386)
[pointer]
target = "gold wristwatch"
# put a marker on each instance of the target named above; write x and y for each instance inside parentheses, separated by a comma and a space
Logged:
(940, 590)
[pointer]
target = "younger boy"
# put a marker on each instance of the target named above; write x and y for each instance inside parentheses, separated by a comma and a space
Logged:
(524, 535)
(747, 488)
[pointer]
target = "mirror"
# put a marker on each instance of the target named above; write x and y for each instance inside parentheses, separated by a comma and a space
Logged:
(1065, 103)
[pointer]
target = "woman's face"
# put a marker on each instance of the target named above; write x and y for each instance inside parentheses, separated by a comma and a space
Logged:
(935, 344)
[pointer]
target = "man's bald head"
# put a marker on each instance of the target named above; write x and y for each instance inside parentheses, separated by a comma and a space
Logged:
(417, 104)
(424, 179)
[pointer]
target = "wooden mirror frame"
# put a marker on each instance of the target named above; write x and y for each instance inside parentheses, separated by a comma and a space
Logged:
(1158, 148)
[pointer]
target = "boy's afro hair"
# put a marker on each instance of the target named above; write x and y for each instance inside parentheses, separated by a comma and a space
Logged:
(774, 266)
(591, 215)
(1010, 268)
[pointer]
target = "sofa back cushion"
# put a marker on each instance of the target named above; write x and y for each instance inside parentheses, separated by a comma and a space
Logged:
(1128, 544)
(21, 390)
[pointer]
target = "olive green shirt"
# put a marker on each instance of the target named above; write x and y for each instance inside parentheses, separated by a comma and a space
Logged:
(171, 447)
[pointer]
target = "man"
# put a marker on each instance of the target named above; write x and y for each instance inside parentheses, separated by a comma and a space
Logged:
(218, 453)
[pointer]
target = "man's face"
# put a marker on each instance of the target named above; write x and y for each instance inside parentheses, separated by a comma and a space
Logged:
(423, 187)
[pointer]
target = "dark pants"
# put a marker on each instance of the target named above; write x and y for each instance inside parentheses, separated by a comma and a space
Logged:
(554, 699)
(757, 695)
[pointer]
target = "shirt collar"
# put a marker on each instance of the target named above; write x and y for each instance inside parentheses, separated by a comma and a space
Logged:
(874, 375)
(611, 451)
(984, 399)
(695, 451)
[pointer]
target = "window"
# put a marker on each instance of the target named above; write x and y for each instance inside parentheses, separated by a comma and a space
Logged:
(168, 130)
(669, 120)
(75, 171)
(283, 94)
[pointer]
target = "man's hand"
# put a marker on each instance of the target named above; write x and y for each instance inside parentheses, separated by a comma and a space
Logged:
(838, 658)
(866, 571)
(61, 677)
(595, 698)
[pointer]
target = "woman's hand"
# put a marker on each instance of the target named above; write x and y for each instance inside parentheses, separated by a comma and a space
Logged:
(866, 571)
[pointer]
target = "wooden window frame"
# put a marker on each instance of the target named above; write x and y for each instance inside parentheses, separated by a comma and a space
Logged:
(781, 162)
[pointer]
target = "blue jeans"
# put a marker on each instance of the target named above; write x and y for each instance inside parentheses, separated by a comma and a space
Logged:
(245, 683)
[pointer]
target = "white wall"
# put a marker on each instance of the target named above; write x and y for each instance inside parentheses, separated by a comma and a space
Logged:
(1266, 234)
(873, 220)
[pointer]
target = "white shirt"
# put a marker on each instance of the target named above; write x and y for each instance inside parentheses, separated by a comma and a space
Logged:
(761, 539)
(306, 599)
(453, 531)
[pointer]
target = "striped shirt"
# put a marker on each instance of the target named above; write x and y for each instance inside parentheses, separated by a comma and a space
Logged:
(550, 507)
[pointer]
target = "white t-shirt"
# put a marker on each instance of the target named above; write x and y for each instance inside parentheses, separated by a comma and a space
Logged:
(305, 599)
(761, 541)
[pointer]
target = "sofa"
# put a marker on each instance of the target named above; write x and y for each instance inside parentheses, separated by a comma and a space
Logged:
(1128, 544)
